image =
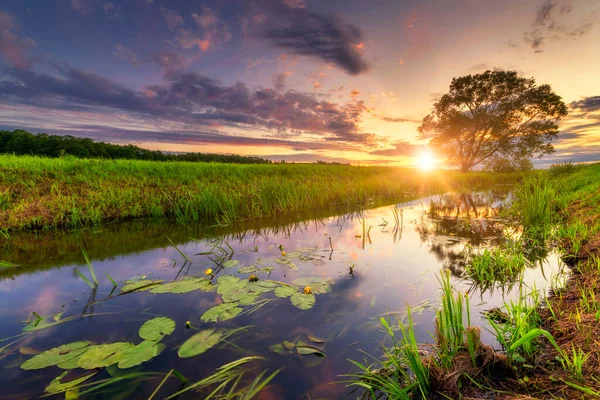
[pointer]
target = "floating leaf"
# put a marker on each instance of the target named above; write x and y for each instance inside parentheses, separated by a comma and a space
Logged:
(279, 349)
(315, 339)
(156, 328)
(235, 295)
(318, 262)
(221, 312)
(285, 291)
(303, 301)
(141, 353)
(62, 382)
(288, 345)
(230, 263)
(253, 269)
(304, 348)
(306, 249)
(184, 285)
(28, 351)
(199, 343)
(134, 279)
(262, 287)
(250, 269)
(104, 355)
(248, 299)
(70, 364)
(140, 286)
(56, 355)
(318, 285)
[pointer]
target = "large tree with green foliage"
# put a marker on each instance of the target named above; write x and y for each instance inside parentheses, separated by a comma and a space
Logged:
(493, 115)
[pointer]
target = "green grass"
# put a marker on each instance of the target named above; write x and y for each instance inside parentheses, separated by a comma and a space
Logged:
(41, 193)
(496, 267)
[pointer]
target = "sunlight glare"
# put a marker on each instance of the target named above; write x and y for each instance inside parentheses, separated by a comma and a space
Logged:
(426, 161)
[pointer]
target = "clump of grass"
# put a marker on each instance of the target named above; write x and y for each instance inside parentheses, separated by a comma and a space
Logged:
(495, 267)
(534, 203)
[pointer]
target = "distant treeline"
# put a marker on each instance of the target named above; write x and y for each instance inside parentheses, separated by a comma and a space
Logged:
(21, 142)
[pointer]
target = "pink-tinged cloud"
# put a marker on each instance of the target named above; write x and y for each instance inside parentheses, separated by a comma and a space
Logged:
(354, 93)
(14, 48)
(172, 17)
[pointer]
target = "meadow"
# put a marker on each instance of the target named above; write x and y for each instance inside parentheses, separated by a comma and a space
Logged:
(543, 344)
(68, 192)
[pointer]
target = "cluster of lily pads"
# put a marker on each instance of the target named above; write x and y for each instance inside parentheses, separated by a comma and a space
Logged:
(87, 356)
(236, 293)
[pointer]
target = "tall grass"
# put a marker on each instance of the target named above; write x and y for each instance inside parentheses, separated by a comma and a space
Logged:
(40, 192)
(534, 202)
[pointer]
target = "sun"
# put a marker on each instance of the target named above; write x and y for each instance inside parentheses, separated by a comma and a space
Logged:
(426, 161)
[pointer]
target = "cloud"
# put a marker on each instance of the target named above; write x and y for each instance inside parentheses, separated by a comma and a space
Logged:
(172, 17)
(88, 6)
(552, 23)
(399, 119)
(188, 98)
(354, 93)
(214, 30)
(587, 104)
(126, 53)
(400, 148)
(279, 80)
(311, 34)
(14, 48)
(170, 62)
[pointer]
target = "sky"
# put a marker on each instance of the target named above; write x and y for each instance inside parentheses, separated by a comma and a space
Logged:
(299, 80)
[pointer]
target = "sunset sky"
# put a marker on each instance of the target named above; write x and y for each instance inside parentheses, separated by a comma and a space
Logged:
(300, 80)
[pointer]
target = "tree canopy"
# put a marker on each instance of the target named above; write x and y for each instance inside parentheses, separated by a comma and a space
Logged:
(21, 142)
(491, 116)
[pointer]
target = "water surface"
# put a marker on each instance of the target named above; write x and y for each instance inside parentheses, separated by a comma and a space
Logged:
(393, 265)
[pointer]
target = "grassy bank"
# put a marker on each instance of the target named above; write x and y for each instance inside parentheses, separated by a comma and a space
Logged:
(42, 193)
(549, 345)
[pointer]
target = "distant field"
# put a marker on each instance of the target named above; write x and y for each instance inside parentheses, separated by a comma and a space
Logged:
(40, 193)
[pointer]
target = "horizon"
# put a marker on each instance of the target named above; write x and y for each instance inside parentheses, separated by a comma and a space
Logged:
(299, 80)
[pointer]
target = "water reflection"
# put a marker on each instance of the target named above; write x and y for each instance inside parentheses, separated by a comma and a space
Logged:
(392, 252)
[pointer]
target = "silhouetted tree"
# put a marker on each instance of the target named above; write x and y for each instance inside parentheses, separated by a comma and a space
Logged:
(493, 114)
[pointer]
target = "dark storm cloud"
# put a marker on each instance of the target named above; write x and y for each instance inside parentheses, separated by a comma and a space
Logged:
(307, 33)
(401, 148)
(587, 104)
(551, 23)
(189, 98)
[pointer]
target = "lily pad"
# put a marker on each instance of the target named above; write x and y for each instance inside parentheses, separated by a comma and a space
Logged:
(248, 299)
(56, 355)
(262, 287)
(184, 285)
(140, 286)
(156, 328)
(230, 263)
(318, 285)
(285, 291)
(303, 301)
(199, 343)
(304, 348)
(141, 353)
(221, 312)
(279, 349)
(104, 355)
(62, 382)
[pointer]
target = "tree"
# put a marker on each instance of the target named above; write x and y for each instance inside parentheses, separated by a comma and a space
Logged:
(493, 114)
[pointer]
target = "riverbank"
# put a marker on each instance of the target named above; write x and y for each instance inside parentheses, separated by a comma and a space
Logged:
(549, 346)
(44, 193)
